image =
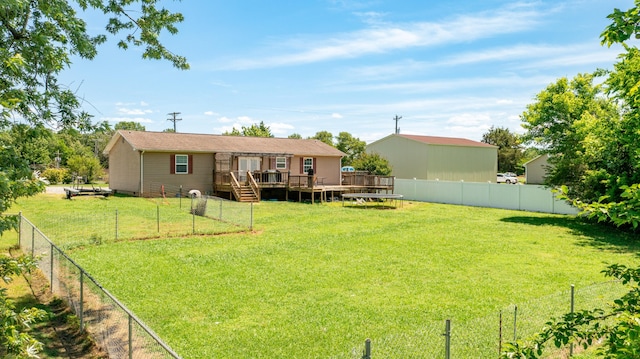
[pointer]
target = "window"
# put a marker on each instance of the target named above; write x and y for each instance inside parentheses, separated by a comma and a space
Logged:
(182, 164)
(307, 164)
(281, 163)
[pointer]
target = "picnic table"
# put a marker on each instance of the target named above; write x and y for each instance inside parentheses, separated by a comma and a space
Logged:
(78, 189)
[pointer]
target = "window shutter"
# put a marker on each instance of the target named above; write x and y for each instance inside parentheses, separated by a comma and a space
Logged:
(172, 162)
(314, 165)
(190, 165)
(301, 164)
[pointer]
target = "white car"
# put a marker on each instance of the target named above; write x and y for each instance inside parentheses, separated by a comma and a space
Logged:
(506, 178)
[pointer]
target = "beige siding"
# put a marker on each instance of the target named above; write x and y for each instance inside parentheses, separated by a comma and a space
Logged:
(124, 168)
(408, 159)
(157, 171)
(328, 169)
(536, 170)
(412, 159)
(454, 163)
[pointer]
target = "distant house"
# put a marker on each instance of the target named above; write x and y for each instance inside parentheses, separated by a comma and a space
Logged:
(438, 158)
(536, 169)
(242, 167)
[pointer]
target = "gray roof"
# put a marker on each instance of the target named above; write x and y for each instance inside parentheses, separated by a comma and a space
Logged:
(208, 143)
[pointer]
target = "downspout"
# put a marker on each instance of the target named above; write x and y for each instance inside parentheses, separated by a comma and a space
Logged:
(141, 173)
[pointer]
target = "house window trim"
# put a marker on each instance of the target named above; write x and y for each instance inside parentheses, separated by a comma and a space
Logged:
(305, 167)
(186, 164)
(281, 163)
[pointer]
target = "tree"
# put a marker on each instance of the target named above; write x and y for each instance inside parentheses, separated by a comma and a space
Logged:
(129, 126)
(372, 163)
(87, 167)
(295, 136)
(350, 145)
(259, 130)
(14, 337)
(324, 136)
(39, 39)
(572, 121)
(509, 149)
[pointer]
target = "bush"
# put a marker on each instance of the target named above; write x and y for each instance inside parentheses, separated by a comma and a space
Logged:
(56, 175)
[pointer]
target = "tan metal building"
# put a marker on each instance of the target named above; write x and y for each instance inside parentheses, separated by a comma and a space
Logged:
(438, 158)
(536, 169)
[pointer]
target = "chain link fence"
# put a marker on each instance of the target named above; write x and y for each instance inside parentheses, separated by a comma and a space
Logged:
(114, 327)
(483, 337)
(160, 217)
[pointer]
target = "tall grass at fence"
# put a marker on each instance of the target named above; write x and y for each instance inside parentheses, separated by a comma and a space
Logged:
(316, 280)
(96, 220)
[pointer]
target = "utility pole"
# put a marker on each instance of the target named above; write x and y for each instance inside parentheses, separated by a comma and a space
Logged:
(174, 119)
(397, 118)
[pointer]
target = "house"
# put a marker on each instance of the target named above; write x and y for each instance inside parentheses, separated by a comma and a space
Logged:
(241, 167)
(536, 169)
(438, 158)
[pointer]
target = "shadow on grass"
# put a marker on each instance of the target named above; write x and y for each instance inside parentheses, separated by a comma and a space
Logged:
(591, 234)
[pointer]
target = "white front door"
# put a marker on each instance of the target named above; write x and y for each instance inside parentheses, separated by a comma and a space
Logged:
(246, 164)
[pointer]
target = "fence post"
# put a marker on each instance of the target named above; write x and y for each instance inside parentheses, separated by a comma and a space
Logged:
(573, 287)
(51, 268)
(366, 354)
(81, 299)
(447, 339)
(500, 335)
(19, 228)
(515, 322)
(180, 201)
(33, 240)
(220, 217)
(158, 217)
(251, 218)
(130, 337)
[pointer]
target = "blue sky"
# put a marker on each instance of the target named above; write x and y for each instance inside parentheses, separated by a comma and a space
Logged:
(449, 68)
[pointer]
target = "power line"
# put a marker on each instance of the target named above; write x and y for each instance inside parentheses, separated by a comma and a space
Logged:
(174, 119)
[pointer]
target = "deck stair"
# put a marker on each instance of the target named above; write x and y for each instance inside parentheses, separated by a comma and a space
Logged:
(246, 194)
(245, 191)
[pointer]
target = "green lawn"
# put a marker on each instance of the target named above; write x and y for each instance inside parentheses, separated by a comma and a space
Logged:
(314, 281)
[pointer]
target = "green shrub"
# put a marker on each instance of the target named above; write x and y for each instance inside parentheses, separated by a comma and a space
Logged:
(56, 175)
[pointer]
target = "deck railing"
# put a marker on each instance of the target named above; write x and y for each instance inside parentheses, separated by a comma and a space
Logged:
(254, 185)
(367, 180)
(271, 177)
(260, 179)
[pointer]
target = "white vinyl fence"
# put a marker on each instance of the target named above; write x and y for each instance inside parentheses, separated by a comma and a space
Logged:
(519, 197)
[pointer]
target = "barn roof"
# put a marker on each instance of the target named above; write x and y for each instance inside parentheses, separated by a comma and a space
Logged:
(209, 143)
(446, 141)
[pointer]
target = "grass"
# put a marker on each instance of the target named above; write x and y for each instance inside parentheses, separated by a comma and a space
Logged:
(87, 220)
(316, 280)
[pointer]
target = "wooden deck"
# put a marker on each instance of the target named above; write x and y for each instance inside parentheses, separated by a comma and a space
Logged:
(309, 187)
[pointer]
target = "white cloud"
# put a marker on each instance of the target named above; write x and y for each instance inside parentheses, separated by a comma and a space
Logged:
(336, 115)
(280, 129)
(132, 112)
(384, 38)
(210, 113)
